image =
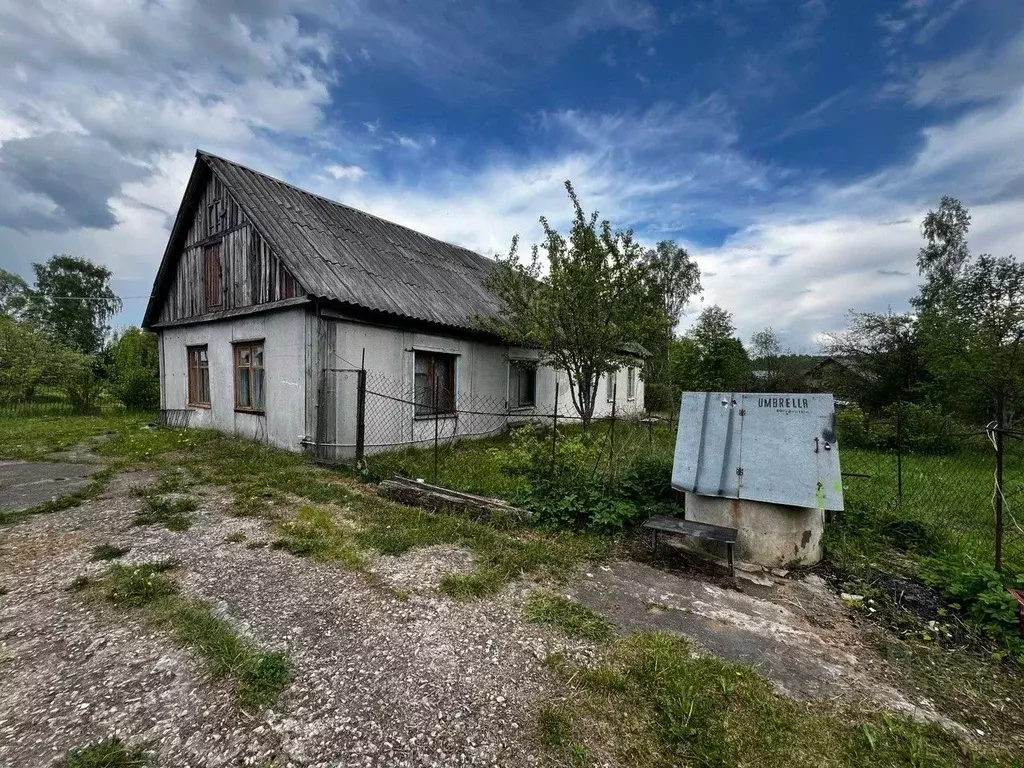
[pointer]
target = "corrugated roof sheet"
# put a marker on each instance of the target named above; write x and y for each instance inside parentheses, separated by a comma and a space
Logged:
(337, 252)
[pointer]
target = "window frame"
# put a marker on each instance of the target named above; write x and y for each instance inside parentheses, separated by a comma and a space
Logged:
(195, 368)
(609, 391)
(446, 409)
(237, 348)
(208, 273)
(631, 383)
(521, 367)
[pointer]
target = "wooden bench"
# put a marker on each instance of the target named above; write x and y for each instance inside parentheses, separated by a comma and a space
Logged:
(680, 527)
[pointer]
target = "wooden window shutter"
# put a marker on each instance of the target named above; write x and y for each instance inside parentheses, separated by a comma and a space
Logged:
(212, 274)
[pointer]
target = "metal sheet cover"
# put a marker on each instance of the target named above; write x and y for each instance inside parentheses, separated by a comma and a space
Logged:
(777, 448)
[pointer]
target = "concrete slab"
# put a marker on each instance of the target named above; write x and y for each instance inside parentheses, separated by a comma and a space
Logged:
(794, 633)
(25, 484)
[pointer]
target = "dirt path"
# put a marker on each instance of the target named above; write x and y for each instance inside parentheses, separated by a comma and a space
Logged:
(377, 680)
(398, 676)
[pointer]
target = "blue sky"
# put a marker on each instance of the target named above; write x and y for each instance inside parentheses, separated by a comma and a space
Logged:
(791, 146)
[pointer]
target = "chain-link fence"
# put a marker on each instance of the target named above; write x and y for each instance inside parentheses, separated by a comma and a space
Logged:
(452, 440)
(941, 503)
(964, 495)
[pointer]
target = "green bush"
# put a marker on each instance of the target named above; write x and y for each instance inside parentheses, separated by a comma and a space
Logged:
(564, 489)
(851, 428)
(648, 480)
(135, 369)
(977, 591)
(920, 429)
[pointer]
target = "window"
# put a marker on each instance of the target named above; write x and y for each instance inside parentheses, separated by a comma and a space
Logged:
(435, 383)
(249, 376)
(198, 377)
(610, 385)
(522, 384)
(212, 276)
(631, 383)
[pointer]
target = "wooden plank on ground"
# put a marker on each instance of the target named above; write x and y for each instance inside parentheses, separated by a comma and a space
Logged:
(436, 497)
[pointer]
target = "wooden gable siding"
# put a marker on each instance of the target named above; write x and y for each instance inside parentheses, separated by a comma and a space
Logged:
(250, 272)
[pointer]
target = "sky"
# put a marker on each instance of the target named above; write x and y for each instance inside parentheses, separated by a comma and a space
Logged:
(791, 147)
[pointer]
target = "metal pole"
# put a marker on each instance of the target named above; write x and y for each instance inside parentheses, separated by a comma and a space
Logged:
(999, 484)
(554, 429)
(436, 424)
(361, 412)
(899, 451)
(611, 441)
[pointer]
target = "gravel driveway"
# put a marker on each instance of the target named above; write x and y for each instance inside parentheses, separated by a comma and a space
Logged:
(378, 679)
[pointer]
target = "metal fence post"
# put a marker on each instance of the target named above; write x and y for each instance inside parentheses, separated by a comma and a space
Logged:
(1000, 438)
(361, 417)
(436, 425)
(899, 451)
(611, 436)
(554, 429)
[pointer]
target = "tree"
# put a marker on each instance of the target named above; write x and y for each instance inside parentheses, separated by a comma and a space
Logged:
(28, 361)
(946, 251)
(972, 337)
(672, 280)
(12, 293)
(72, 303)
(883, 353)
(766, 351)
(135, 369)
(723, 364)
(592, 301)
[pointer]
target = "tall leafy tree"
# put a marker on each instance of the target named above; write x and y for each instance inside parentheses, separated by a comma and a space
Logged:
(723, 362)
(72, 302)
(673, 279)
(766, 354)
(135, 369)
(12, 293)
(582, 312)
(883, 356)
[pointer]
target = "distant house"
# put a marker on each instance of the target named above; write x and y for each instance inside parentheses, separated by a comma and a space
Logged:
(842, 376)
(269, 298)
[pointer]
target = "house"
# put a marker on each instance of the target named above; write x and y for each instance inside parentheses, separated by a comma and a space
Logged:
(292, 319)
(843, 376)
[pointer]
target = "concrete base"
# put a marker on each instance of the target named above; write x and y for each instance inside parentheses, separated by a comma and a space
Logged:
(771, 535)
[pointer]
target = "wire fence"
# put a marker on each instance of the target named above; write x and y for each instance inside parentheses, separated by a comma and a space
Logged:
(958, 501)
(966, 498)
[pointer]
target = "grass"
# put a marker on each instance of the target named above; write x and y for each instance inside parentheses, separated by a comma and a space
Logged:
(109, 753)
(259, 676)
(655, 702)
(474, 466)
(571, 617)
(170, 512)
(557, 735)
(314, 533)
(108, 552)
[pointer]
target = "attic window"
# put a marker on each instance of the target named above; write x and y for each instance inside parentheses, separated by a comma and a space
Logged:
(216, 216)
(212, 273)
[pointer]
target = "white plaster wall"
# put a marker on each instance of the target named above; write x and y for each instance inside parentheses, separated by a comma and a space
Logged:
(284, 348)
(482, 384)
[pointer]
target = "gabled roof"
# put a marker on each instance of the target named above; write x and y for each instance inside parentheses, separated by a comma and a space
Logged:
(339, 253)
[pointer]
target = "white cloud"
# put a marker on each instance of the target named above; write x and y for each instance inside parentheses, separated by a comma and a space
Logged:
(346, 172)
